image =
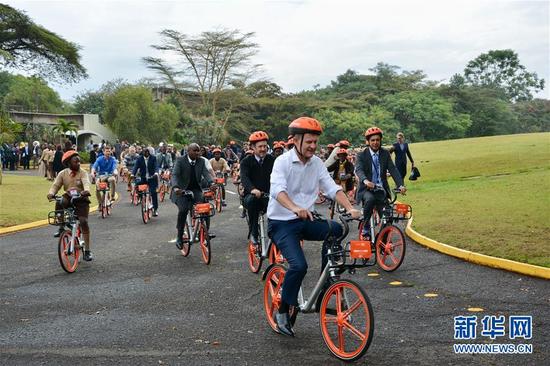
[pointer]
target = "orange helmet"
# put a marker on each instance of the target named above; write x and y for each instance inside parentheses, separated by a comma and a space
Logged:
(68, 155)
(304, 125)
(278, 145)
(342, 151)
(258, 136)
(231, 142)
(330, 146)
(373, 131)
(216, 150)
(344, 143)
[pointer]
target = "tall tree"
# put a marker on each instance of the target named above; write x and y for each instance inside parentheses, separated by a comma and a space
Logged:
(501, 69)
(32, 94)
(133, 115)
(26, 45)
(206, 63)
(64, 126)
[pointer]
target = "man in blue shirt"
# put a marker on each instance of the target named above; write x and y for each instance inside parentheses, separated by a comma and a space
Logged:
(103, 166)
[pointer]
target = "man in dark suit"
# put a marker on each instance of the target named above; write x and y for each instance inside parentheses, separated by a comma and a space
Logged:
(146, 164)
(190, 174)
(26, 156)
(255, 178)
(372, 165)
(401, 150)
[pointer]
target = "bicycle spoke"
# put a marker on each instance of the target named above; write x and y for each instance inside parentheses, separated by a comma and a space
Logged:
(341, 338)
(355, 331)
(338, 301)
(330, 319)
(354, 307)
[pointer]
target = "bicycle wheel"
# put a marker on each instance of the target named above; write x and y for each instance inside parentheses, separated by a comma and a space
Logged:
(390, 248)
(144, 211)
(254, 257)
(163, 191)
(102, 207)
(346, 320)
(219, 199)
(275, 255)
(186, 246)
(68, 260)
(109, 205)
(272, 293)
(204, 241)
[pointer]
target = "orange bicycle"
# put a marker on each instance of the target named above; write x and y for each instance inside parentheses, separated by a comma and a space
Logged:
(196, 227)
(346, 316)
(105, 206)
(164, 187)
(387, 239)
(70, 243)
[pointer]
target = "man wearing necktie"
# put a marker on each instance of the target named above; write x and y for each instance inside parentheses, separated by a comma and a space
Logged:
(190, 174)
(372, 165)
(255, 174)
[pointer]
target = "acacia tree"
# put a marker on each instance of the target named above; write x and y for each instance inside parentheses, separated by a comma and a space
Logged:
(206, 63)
(26, 45)
(501, 69)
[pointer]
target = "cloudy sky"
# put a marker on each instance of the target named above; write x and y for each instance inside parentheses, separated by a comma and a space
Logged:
(303, 43)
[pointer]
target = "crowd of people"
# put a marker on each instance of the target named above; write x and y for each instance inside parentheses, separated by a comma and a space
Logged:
(281, 178)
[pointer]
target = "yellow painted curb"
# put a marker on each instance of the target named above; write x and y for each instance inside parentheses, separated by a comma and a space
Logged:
(39, 223)
(485, 260)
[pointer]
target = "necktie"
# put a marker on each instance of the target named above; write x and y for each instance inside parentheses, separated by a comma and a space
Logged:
(192, 163)
(376, 171)
(261, 161)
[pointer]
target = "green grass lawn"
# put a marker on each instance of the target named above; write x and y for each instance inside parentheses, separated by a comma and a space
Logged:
(23, 199)
(488, 195)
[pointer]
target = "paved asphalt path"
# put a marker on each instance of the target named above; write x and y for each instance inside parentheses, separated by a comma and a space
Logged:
(141, 302)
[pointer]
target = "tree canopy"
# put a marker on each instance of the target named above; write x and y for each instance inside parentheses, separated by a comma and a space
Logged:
(25, 45)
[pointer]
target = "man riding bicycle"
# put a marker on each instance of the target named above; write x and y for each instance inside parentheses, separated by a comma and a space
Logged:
(164, 159)
(74, 178)
(296, 180)
(372, 165)
(255, 173)
(105, 165)
(220, 165)
(129, 163)
(146, 164)
(190, 174)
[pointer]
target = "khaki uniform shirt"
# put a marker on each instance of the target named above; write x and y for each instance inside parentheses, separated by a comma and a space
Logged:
(220, 165)
(80, 181)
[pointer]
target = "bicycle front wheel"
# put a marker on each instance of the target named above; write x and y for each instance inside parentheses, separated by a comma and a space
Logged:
(186, 246)
(346, 320)
(254, 257)
(67, 258)
(144, 211)
(162, 192)
(273, 293)
(205, 243)
(219, 200)
(390, 248)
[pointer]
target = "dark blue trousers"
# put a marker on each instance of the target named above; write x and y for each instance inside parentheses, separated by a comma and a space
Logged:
(287, 236)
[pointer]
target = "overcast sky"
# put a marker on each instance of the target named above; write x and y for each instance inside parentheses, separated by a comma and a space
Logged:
(303, 43)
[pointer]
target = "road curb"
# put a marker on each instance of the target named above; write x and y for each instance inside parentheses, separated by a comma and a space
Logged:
(39, 223)
(477, 258)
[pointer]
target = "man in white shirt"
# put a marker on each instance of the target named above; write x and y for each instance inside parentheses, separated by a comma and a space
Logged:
(296, 179)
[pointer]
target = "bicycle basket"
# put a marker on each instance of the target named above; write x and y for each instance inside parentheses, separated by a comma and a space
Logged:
(360, 249)
(208, 195)
(402, 211)
(143, 187)
(220, 180)
(203, 209)
(58, 217)
(102, 186)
